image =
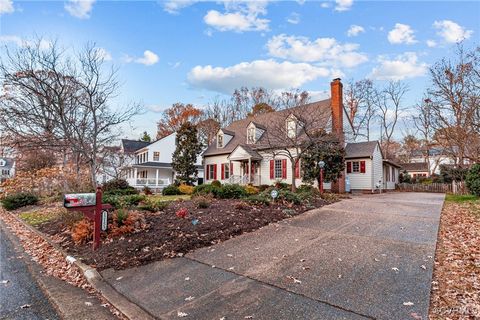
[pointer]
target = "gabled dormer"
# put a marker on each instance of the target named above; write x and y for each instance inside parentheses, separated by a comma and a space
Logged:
(223, 137)
(3, 162)
(293, 125)
(254, 132)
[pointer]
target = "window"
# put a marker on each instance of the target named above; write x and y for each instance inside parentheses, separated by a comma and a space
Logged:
(220, 141)
(278, 169)
(3, 163)
(355, 166)
(225, 171)
(156, 156)
(211, 172)
(5, 172)
(291, 128)
(251, 135)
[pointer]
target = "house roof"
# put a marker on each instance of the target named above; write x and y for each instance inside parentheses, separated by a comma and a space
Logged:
(130, 146)
(252, 153)
(321, 110)
(415, 166)
(392, 163)
(360, 149)
(151, 164)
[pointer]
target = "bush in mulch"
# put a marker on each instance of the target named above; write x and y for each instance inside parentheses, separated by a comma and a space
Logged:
(171, 190)
(473, 179)
(19, 200)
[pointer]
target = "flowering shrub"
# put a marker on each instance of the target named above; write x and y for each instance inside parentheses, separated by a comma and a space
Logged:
(82, 231)
(251, 190)
(185, 189)
(182, 213)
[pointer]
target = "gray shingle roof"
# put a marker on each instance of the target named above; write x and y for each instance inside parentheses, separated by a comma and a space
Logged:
(320, 109)
(415, 166)
(130, 146)
(360, 149)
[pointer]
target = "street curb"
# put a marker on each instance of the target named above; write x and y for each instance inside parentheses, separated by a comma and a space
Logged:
(129, 309)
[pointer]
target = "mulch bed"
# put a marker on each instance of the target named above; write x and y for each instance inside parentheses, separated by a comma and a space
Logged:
(169, 236)
(456, 277)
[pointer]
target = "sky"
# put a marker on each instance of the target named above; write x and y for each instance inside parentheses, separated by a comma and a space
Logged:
(194, 51)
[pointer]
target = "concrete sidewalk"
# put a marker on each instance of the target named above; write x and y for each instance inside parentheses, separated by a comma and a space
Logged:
(366, 257)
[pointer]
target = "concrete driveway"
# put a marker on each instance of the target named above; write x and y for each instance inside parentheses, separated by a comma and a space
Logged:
(369, 257)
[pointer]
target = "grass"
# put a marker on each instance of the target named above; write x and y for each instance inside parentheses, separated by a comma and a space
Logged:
(170, 198)
(461, 198)
(35, 218)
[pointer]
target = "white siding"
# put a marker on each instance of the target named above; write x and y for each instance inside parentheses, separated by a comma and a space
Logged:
(218, 160)
(377, 175)
(166, 147)
(362, 181)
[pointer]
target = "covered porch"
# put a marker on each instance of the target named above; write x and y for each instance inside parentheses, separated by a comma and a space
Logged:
(248, 162)
(153, 176)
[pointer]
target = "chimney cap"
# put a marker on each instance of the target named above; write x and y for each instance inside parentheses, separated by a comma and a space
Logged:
(337, 79)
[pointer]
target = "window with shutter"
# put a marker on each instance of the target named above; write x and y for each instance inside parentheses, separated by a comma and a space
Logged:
(297, 169)
(349, 167)
(284, 169)
(362, 166)
(272, 169)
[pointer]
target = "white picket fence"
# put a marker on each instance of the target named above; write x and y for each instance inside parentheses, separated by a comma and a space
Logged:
(456, 187)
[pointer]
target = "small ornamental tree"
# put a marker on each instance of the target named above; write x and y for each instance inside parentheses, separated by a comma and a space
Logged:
(473, 179)
(146, 137)
(185, 155)
(328, 150)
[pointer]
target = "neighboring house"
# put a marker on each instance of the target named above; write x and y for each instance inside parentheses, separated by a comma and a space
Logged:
(151, 163)
(437, 157)
(7, 168)
(416, 169)
(366, 168)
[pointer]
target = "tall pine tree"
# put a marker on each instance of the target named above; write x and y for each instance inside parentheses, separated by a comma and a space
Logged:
(186, 152)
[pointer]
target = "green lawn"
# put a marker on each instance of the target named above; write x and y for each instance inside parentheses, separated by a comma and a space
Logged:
(35, 218)
(461, 198)
(170, 198)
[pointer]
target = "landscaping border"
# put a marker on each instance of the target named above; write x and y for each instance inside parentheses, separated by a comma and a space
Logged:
(126, 307)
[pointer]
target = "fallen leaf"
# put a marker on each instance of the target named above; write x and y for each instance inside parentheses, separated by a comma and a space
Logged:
(376, 259)
(25, 306)
(395, 269)
(248, 317)
(119, 278)
(295, 280)
(423, 267)
(229, 255)
(408, 303)
(190, 298)
(4, 281)
(181, 314)
(187, 278)
(88, 304)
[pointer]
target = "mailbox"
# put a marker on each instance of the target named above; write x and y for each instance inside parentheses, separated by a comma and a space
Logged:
(76, 200)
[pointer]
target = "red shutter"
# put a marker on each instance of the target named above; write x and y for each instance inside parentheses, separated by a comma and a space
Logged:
(297, 169)
(349, 167)
(362, 166)
(252, 169)
(231, 169)
(215, 172)
(223, 171)
(284, 168)
(206, 172)
(272, 167)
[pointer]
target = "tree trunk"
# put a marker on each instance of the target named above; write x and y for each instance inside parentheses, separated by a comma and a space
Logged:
(294, 187)
(93, 174)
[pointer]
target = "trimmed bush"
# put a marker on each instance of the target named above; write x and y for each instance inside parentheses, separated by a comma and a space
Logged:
(171, 190)
(153, 205)
(259, 199)
(283, 185)
(147, 190)
(251, 190)
(112, 199)
(206, 189)
(231, 191)
(216, 183)
(121, 192)
(18, 200)
(289, 196)
(115, 185)
(202, 202)
(132, 200)
(185, 189)
(473, 179)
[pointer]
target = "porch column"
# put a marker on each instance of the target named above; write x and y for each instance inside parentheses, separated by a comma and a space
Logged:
(135, 175)
(156, 176)
(250, 170)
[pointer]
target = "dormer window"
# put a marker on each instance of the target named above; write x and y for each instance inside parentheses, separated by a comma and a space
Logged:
(251, 135)
(220, 140)
(291, 128)
(3, 163)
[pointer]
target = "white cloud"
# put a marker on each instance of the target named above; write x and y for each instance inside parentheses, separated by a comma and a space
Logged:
(104, 54)
(149, 58)
(355, 30)
(19, 42)
(80, 8)
(402, 67)
(325, 5)
(6, 6)
(431, 43)
(451, 32)
(343, 5)
(175, 65)
(174, 6)
(155, 108)
(239, 17)
(326, 51)
(266, 73)
(402, 33)
(293, 18)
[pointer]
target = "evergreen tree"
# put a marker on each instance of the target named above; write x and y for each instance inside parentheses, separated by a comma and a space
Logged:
(328, 150)
(186, 152)
(146, 137)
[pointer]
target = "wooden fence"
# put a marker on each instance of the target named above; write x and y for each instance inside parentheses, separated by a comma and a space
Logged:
(454, 187)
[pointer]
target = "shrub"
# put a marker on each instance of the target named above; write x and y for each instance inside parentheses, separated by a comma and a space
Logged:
(263, 187)
(206, 189)
(251, 190)
(231, 191)
(126, 222)
(259, 199)
(182, 213)
(147, 190)
(115, 184)
(202, 202)
(18, 200)
(283, 185)
(132, 200)
(307, 192)
(154, 205)
(120, 216)
(121, 192)
(82, 231)
(216, 183)
(185, 189)
(473, 179)
(289, 196)
(242, 205)
(112, 199)
(171, 190)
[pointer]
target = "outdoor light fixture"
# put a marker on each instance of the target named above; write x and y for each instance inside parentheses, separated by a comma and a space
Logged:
(321, 164)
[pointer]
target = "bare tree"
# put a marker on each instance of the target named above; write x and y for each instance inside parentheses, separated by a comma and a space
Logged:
(455, 102)
(360, 102)
(55, 100)
(422, 120)
(113, 162)
(390, 105)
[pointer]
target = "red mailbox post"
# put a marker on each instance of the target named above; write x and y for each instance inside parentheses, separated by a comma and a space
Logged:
(90, 204)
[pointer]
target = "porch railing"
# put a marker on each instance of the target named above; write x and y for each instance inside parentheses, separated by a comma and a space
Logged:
(152, 182)
(245, 179)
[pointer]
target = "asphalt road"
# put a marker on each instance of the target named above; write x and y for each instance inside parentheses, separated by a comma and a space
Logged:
(20, 295)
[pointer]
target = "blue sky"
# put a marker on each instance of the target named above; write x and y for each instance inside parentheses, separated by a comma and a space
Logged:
(192, 51)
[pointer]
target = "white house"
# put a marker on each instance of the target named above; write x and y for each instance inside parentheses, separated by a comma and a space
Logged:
(242, 152)
(7, 168)
(151, 163)
(366, 168)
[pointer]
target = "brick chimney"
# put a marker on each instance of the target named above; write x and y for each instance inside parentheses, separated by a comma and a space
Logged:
(336, 103)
